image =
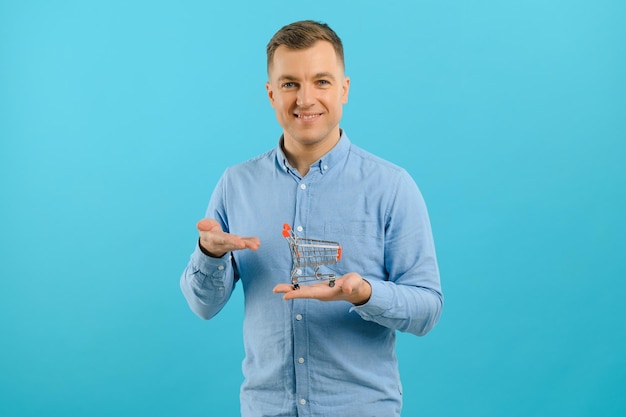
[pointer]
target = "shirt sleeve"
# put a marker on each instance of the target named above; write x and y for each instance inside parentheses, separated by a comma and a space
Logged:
(207, 283)
(410, 300)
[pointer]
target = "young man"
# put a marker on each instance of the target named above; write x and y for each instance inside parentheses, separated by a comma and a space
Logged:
(317, 350)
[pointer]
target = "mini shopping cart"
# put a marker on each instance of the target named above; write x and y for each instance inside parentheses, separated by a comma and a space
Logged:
(311, 253)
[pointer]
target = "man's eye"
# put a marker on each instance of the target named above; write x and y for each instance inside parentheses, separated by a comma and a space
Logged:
(289, 85)
(323, 82)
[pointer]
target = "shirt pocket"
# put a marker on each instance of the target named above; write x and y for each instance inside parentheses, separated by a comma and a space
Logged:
(362, 246)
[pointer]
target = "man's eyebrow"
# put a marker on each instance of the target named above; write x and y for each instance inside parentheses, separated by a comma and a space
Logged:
(324, 75)
(287, 78)
(317, 76)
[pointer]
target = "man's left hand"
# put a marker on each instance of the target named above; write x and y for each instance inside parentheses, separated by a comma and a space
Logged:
(350, 287)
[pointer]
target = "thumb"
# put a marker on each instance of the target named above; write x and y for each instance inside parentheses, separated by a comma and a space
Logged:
(350, 281)
(208, 225)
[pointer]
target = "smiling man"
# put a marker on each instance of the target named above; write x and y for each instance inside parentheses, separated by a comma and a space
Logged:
(308, 89)
(318, 350)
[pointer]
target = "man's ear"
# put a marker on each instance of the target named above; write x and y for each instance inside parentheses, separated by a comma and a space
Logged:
(345, 90)
(270, 93)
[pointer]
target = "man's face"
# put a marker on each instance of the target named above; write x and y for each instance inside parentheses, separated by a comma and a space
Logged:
(307, 89)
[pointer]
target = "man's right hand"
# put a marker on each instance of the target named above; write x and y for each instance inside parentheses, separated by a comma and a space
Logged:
(215, 242)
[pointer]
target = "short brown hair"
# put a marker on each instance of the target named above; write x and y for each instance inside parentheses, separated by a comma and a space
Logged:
(302, 35)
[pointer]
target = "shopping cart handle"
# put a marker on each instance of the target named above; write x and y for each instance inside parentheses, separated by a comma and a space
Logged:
(286, 230)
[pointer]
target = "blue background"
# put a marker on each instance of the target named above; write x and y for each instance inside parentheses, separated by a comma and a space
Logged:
(117, 118)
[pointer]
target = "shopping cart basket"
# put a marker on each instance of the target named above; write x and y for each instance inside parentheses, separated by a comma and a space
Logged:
(310, 253)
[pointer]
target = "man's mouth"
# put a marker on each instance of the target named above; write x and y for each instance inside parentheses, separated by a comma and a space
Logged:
(307, 116)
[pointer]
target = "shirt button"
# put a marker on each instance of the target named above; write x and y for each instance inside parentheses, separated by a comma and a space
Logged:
(300, 360)
(299, 228)
(298, 317)
(325, 167)
(221, 267)
(303, 401)
(303, 186)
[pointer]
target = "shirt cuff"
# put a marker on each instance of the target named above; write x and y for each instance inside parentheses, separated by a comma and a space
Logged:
(209, 266)
(379, 302)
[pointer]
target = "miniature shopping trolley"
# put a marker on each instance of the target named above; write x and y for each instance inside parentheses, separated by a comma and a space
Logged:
(311, 253)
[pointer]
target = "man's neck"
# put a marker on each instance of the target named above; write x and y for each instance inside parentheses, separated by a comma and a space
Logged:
(301, 157)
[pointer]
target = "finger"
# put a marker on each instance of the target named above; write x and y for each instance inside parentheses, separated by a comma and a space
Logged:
(238, 243)
(226, 241)
(251, 242)
(283, 288)
(302, 292)
(320, 291)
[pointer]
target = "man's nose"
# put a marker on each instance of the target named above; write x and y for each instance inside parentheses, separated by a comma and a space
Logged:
(305, 96)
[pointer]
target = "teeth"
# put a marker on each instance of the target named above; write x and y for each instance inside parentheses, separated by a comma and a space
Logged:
(302, 116)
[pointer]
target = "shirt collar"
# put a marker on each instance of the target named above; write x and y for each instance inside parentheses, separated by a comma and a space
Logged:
(325, 163)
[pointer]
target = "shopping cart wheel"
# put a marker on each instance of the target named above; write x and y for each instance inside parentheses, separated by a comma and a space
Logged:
(296, 286)
(331, 282)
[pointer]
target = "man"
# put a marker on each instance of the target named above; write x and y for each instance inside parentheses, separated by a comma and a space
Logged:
(317, 350)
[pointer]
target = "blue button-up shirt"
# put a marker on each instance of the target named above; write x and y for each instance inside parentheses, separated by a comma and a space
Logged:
(306, 357)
